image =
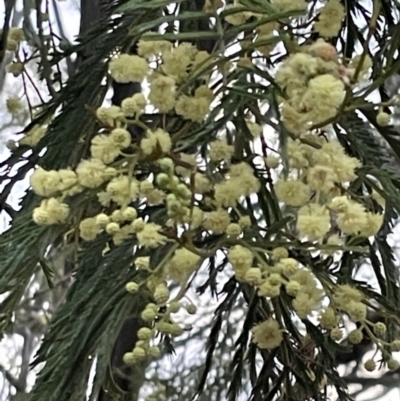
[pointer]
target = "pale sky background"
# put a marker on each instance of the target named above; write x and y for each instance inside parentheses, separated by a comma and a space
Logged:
(69, 13)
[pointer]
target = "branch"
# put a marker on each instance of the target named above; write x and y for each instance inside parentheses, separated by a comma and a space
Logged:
(7, 58)
(12, 380)
(3, 40)
(70, 64)
(389, 379)
(47, 71)
(26, 357)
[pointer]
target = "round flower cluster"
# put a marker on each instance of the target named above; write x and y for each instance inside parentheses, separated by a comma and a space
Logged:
(314, 83)
(284, 274)
(14, 38)
(14, 105)
(330, 19)
(175, 66)
(320, 176)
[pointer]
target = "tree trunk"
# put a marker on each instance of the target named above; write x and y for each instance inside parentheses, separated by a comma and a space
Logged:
(132, 379)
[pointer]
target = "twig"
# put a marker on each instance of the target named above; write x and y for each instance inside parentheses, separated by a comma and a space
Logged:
(43, 54)
(34, 87)
(26, 94)
(12, 379)
(70, 64)
(371, 30)
(45, 291)
(26, 357)
(6, 26)
(52, 36)
(8, 58)
(390, 379)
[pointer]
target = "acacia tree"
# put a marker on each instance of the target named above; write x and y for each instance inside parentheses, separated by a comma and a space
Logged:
(248, 159)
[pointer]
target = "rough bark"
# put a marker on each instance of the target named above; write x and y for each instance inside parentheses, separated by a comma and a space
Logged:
(90, 16)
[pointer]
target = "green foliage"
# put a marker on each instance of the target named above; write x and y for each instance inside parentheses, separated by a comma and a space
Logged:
(95, 308)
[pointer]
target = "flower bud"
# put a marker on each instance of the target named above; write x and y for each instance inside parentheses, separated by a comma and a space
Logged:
(11, 145)
(129, 213)
(356, 336)
(191, 309)
(393, 364)
(166, 164)
(121, 137)
(148, 315)
(275, 279)
(324, 50)
(234, 230)
(175, 329)
(174, 206)
(288, 266)
(102, 219)
(142, 344)
(129, 358)
(244, 222)
(116, 216)
(154, 352)
(269, 290)
(161, 294)
(328, 319)
(293, 288)
(112, 228)
(164, 327)
(272, 162)
(370, 365)
(162, 180)
(183, 191)
(139, 353)
(174, 307)
(280, 253)
(145, 333)
(110, 172)
(142, 262)
(174, 182)
(336, 334)
(379, 329)
(395, 345)
(15, 68)
(132, 287)
(146, 187)
(383, 119)
(137, 225)
(253, 276)
(11, 45)
(64, 44)
(152, 306)
(357, 311)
